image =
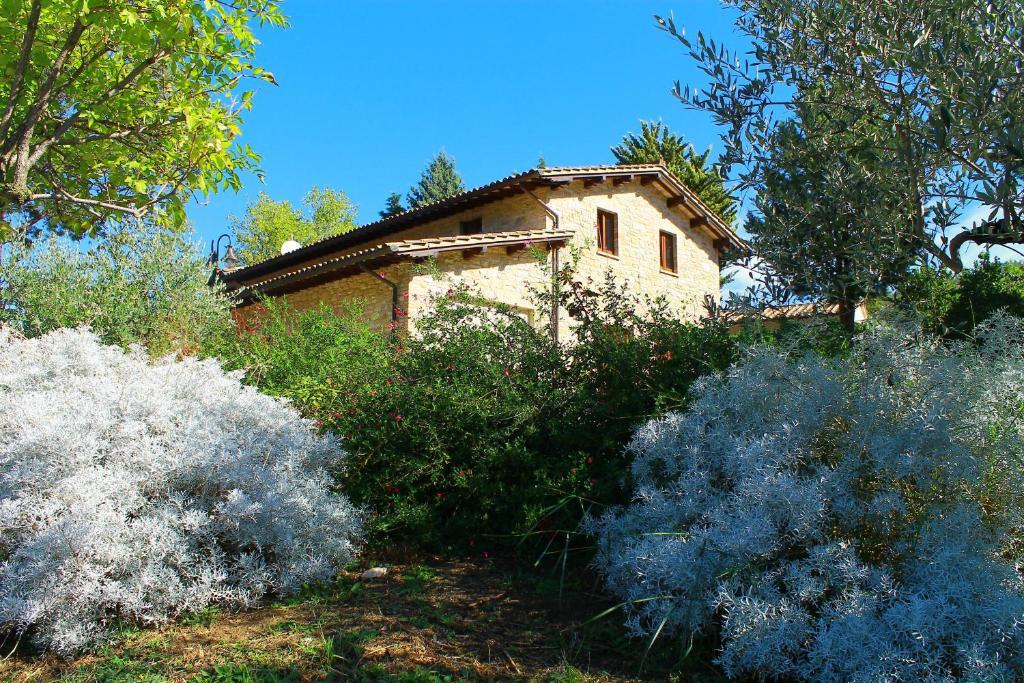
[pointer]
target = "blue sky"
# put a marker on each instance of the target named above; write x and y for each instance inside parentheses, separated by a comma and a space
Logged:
(370, 90)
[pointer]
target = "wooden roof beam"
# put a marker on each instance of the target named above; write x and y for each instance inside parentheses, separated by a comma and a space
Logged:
(621, 180)
(547, 182)
(678, 200)
(593, 180)
(473, 251)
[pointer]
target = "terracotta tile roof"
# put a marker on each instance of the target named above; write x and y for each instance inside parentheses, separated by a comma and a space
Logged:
(507, 186)
(392, 252)
(807, 310)
(787, 312)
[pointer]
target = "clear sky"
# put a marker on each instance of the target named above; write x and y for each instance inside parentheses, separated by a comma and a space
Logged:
(370, 90)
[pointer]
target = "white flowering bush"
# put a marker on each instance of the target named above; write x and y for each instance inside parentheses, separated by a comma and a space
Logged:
(137, 491)
(845, 519)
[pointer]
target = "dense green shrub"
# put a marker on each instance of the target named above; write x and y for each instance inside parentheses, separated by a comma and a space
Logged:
(825, 336)
(952, 305)
(632, 358)
(143, 286)
(478, 427)
(456, 442)
(315, 358)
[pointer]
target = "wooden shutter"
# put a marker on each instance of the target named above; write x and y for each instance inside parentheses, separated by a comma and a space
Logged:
(667, 244)
(607, 232)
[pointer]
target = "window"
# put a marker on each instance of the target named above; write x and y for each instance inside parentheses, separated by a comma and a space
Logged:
(607, 232)
(473, 226)
(668, 251)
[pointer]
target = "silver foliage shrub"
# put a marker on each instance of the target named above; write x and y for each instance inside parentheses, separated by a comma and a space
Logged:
(137, 491)
(836, 519)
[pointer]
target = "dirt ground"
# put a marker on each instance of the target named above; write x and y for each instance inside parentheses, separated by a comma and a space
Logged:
(429, 620)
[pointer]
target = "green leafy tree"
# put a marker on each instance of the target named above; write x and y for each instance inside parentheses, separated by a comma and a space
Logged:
(954, 304)
(820, 211)
(438, 182)
(144, 286)
(267, 224)
(932, 87)
(393, 207)
(115, 109)
(657, 144)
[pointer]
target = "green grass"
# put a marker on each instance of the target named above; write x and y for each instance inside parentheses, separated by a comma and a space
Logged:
(243, 673)
(202, 617)
(117, 669)
(416, 578)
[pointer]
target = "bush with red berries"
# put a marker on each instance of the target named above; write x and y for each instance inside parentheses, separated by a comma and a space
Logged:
(479, 428)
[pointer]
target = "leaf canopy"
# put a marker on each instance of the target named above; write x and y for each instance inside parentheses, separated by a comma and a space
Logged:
(118, 109)
(657, 144)
(267, 224)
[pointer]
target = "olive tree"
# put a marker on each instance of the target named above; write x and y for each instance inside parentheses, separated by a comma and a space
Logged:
(920, 95)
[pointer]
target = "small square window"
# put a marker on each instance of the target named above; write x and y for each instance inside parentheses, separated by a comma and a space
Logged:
(473, 226)
(607, 232)
(667, 243)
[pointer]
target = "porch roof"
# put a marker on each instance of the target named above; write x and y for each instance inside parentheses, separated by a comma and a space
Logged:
(393, 252)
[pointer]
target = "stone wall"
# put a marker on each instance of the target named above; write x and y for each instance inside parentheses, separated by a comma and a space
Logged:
(642, 213)
(364, 291)
(495, 276)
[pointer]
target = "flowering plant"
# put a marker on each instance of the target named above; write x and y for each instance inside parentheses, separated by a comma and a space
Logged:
(137, 491)
(836, 519)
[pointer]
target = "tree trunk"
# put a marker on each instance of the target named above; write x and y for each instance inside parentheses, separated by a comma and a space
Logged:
(848, 314)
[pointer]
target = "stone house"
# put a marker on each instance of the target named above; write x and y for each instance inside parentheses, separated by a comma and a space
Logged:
(503, 239)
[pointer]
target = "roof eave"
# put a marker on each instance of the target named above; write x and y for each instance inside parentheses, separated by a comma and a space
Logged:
(385, 254)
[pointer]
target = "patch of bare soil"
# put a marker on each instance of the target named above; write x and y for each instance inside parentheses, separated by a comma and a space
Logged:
(430, 620)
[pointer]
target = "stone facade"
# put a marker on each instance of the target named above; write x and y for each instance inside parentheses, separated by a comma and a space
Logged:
(510, 278)
(642, 215)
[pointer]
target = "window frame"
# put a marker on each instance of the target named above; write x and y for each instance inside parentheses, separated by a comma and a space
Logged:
(601, 242)
(668, 245)
(477, 222)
